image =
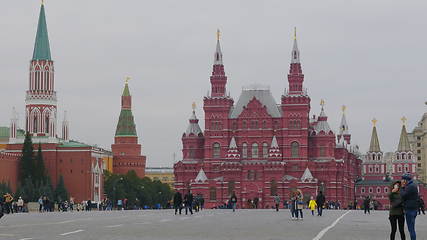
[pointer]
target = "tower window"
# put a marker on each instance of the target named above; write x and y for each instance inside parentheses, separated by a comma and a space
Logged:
(294, 149)
(245, 150)
(216, 150)
(212, 193)
(273, 188)
(264, 150)
(255, 150)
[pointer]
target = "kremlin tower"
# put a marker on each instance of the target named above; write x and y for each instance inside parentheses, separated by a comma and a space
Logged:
(126, 150)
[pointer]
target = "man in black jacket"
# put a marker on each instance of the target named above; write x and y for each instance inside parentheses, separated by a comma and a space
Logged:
(188, 200)
(409, 194)
(320, 201)
(177, 202)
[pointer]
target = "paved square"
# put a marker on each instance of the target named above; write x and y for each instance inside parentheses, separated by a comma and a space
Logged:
(208, 224)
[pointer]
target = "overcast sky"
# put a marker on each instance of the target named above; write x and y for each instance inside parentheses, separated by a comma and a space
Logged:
(368, 55)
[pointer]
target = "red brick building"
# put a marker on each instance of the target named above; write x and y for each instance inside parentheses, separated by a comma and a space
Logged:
(80, 164)
(258, 148)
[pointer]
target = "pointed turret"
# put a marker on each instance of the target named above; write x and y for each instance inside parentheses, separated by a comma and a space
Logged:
(375, 143)
(218, 78)
(307, 176)
(343, 131)
(126, 125)
(233, 152)
(295, 76)
(193, 125)
(404, 145)
(322, 121)
(65, 128)
(41, 46)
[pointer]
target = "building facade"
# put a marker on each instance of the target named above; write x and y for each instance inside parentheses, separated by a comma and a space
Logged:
(258, 148)
(81, 165)
(126, 150)
(418, 141)
(162, 174)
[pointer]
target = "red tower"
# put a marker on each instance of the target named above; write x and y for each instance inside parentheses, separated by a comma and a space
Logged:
(126, 150)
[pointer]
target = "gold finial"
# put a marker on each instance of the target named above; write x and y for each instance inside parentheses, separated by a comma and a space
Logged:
(295, 33)
(343, 108)
(218, 34)
(404, 120)
(322, 103)
(127, 80)
(194, 106)
(374, 121)
(42, 2)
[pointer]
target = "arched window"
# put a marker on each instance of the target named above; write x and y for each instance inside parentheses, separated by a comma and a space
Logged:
(244, 126)
(35, 126)
(399, 168)
(273, 187)
(362, 190)
(265, 150)
(47, 124)
(371, 190)
(294, 149)
(322, 151)
(230, 187)
(264, 124)
(216, 153)
(212, 193)
(378, 190)
(245, 150)
(255, 150)
(406, 168)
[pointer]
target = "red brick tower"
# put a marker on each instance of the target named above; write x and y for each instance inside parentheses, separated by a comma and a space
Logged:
(126, 150)
(41, 96)
(217, 108)
(296, 109)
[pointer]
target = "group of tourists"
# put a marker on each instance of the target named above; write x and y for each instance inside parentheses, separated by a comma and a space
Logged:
(189, 203)
(9, 205)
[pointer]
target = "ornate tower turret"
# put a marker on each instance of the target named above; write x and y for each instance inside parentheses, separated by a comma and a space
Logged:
(126, 150)
(65, 128)
(193, 139)
(41, 95)
(343, 134)
(404, 161)
(374, 164)
(295, 108)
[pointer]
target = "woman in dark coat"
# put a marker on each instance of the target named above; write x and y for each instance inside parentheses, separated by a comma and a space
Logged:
(396, 211)
(177, 202)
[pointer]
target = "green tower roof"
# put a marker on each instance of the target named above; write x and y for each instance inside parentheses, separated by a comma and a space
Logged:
(126, 125)
(404, 145)
(126, 92)
(41, 46)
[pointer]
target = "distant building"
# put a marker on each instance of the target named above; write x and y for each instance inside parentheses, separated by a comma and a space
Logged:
(418, 141)
(380, 170)
(163, 174)
(126, 150)
(259, 148)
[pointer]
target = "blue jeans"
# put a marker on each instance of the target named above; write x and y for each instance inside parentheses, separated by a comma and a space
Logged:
(410, 216)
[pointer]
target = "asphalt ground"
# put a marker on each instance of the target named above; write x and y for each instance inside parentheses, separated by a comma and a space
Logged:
(207, 224)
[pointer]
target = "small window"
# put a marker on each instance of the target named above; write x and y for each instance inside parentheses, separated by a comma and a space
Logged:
(294, 149)
(362, 190)
(216, 152)
(244, 125)
(386, 189)
(212, 193)
(245, 150)
(273, 188)
(265, 150)
(371, 190)
(230, 187)
(255, 150)
(322, 151)
(378, 190)
(264, 124)
(418, 144)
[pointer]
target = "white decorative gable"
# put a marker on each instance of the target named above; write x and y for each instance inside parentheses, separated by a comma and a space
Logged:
(201, 176)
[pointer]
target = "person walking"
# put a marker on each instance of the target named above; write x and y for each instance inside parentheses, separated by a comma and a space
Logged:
(312, 205)
(421, 206)
(409, 194)
(188, 201)
(320, 201)
(20, 204)
(233, 201)
(367, 205)
(293, 206)
(177, 202)
(396, 211)
(299, 205)
(8, 199)
(277, 202)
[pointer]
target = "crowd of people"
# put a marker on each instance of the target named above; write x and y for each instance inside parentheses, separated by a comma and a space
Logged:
(188, 202)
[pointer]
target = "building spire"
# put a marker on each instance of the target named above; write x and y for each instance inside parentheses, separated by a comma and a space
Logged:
(41, 46)
(295, 51)
(193, 125)
(218, 53)
(404, 145)
(375, 143)
(126, 125)
(218, 78)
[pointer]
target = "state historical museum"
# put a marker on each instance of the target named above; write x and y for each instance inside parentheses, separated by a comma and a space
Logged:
(258, 148)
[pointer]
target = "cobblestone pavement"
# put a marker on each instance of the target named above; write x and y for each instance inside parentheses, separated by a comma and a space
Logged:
(208, 224)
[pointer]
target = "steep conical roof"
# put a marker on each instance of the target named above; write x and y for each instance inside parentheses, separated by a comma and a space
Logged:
(404, 145)
(375, 143)
(126, 125)
(295, 51)
(218, 52)
(193, 125)
(126, 91)
(41, 46)
(343, 125)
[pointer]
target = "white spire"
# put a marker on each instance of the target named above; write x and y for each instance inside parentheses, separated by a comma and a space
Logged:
(193, 126)
(307, 175)
(201, 176)
(233, 143)
(65, 128)
(13, 125)
(295, 52)
(343, 125)
(274, 142)
(218, 53)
